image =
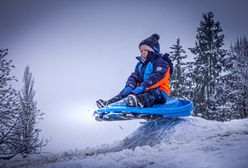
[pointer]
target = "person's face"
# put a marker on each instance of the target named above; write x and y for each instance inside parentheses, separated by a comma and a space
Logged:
(143, 53)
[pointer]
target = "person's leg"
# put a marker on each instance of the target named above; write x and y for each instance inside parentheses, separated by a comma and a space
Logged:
(154, 96)
(147, 99)
(102, 103)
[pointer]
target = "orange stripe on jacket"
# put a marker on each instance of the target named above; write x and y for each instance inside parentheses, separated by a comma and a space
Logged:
(164, 83)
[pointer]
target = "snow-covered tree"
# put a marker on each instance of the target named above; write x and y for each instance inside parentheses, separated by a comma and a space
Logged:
(208, 62)
(232, 89)
(178, 79)
(9, 107)
(189, 84)
(28, 134)
(18, 114)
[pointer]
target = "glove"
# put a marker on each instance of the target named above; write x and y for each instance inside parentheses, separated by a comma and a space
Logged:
(138, 90)
(126, 90)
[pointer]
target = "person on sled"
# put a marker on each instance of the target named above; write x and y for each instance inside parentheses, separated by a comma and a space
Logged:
(149, 84)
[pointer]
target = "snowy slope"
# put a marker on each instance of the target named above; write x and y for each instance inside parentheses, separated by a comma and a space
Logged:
(188, 143)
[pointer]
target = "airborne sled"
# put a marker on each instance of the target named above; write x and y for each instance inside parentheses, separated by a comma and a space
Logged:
(119, 111)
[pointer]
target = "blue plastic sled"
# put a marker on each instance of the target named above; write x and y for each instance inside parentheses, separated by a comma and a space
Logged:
(119, 111)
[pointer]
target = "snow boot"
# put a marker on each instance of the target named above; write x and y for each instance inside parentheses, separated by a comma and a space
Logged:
(133, 101)
(101, 103)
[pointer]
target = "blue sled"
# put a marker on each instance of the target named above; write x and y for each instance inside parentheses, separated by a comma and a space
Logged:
(119, 111)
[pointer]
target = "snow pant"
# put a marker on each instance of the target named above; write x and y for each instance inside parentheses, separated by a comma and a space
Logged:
(151, 97)
(147, 99)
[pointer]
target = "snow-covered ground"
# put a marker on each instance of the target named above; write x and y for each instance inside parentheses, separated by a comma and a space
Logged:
(174, 143)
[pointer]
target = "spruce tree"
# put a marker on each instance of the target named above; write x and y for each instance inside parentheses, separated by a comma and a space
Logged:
(178, 79)
(189, 84)
(208, 59)
(232, 92)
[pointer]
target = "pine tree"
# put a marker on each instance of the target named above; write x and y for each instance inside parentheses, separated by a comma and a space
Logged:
(189, 84)
(208, 60)
(232, 92)
(9, 107)
(28, 134)
(178, 79)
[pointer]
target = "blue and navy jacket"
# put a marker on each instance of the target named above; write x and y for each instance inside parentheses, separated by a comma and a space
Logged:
(154, 72)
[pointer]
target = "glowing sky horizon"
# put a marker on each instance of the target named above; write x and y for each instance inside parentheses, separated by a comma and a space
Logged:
(83, 50)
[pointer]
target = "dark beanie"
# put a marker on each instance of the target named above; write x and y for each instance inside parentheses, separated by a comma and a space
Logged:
(152, 41)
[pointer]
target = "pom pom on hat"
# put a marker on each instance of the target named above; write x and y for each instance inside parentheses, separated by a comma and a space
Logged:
(152, 42)
(156, 36)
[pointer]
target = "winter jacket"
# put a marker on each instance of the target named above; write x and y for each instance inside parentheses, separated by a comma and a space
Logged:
(154, 72)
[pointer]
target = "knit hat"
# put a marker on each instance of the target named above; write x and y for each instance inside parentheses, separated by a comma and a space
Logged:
(152, 42)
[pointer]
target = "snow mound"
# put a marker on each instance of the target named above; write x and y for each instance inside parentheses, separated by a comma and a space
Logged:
(151, 133)
(182, 142)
